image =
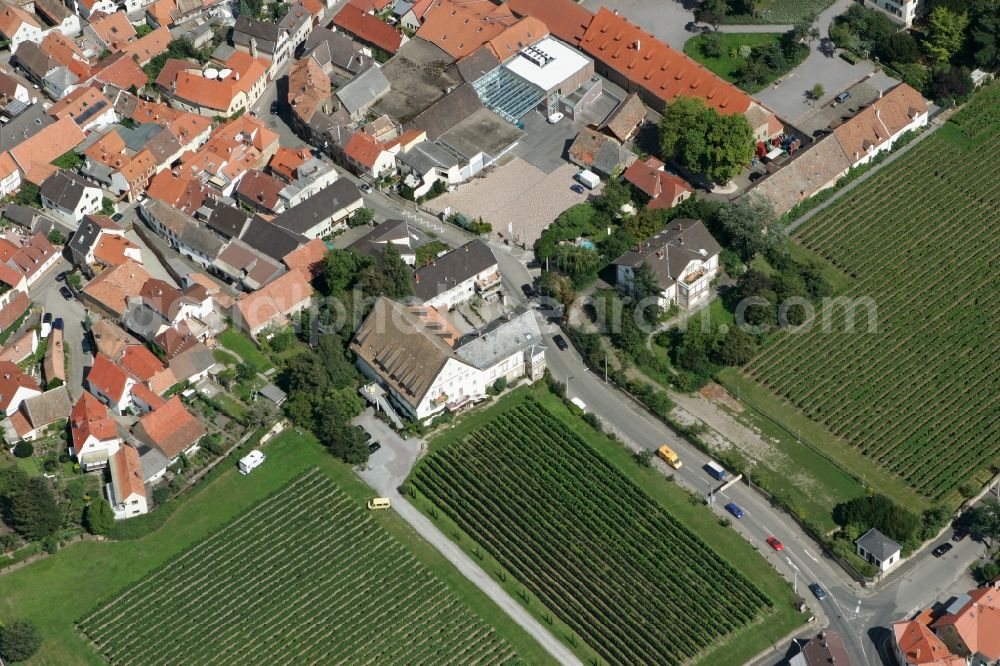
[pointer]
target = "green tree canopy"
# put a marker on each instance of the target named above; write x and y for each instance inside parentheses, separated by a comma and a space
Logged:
(704, 142)
(750, 226)
(985, 519)
(98, 517)
(945, 33)
(19, 640)
(33, 509)
(339, 271)
(881, 513)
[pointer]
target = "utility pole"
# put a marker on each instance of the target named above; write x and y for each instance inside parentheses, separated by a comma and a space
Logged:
(605, 367)
(568, 377)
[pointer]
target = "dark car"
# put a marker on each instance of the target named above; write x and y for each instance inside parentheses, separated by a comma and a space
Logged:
(842, 97)
(66, 293)
(47, 318)
(62, 276)
(274, 108)
(755, 176)
(817, 590)
(529, 291)
(577, 188)
(58, 324)
(960, 533)
(734, 509)
(373, 447)
(117, 217)
(942, 549)
(560, 342)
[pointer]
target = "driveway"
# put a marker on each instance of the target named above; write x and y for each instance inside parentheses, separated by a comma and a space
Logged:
(387, 469)
(45, 293)
(661, 18)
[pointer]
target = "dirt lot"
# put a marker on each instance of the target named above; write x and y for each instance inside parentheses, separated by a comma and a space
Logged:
(518, 199)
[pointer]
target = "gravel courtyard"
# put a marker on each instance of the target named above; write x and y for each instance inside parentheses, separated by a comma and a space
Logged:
(518, 199)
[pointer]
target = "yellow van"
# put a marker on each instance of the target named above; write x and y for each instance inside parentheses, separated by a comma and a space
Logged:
(669, 457)
(377, 503)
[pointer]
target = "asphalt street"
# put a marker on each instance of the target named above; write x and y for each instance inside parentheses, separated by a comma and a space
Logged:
(45, 293)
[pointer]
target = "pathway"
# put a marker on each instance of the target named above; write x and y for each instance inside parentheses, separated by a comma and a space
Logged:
(386, 471)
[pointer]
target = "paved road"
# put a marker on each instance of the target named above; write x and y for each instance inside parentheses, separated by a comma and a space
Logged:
(387, 470)
(45, 293)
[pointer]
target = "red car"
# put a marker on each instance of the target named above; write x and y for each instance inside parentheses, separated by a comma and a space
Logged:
(774, 543)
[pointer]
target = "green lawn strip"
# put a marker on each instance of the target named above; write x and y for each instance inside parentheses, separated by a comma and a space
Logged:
(783, 415)
(29, 465)
(58, 590)
(232, 408)
(728, 544)
(777, 12)
(224, 357)
(728, 64)
(839, 280)
(245, 349)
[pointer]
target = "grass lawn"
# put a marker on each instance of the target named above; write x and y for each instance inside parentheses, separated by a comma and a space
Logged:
(780, 11)
(727, 543)
(244, 347)
(779, 419)
(729, 63)
(29, 465)
(57, 591)
(224, 357)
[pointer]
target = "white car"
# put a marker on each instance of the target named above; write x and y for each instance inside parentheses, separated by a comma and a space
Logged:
(365, 187)
(555, 117)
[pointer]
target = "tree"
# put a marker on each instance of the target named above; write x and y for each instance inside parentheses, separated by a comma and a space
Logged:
(879, 512)
(19, 640)
(950, 82)
(24, 449)
(817, 92)
(339, 271)
(712, 12)
(899, 48)
(340, 371)
(245, 371)
(711, 45)
(561, 288)
(750, 226)
(985, 520)
(29, 194)
(705, 142)
(107, 206)
(945, 33)
(984, 33)
(98, 517)
(33, 510)
(361, 216)
(56, 237)
(69, 160)
(399, 277)
(680, 116)
(645, 284)
(737, 347)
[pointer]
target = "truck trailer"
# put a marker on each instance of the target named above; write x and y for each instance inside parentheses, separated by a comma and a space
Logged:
(589, 179)
(715, 469)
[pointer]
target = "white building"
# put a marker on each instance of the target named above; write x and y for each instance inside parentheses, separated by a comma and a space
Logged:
(251, 461)
(126, 492)
(684, 259)
(426, 367)
(900, 11)
(458, 276)
(876, 128)
(17, 26)
(68, 197)
(878, 550)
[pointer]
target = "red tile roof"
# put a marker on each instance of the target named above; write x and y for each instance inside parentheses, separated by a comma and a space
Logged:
(13, 311)
(113, 29)
(460, 28)
(113, 287)
(661, 187)
(91, 418)
(260, 189)
(108, 378)
(307, 258)
(141, 392)
(122, 72)
(275, 300)
(141, 363)
(171, 428)
(653, 66)
(12, 379)
(564, 18)
(146, 48)
(364, 149)
(185, 194)
(53, 141)
(11, 19)
(286, 162)
(127, 474)
(369, 29)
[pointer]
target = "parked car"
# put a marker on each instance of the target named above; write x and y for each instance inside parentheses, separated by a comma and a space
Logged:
(365, 187)
(734, 509)
(274, 108)
(66, 293)
(117, 217)
(560, 342)
(755, 176)
(373, 447)
(58, 323)
(528, 290)
(842, 97)
(774, 543)
(942, 549)
(577, 188)
(62, 276)
(817, 591)
(555, 117)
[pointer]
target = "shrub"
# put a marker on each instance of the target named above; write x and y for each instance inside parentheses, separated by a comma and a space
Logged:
(98, 517)
(161, 494)
(19, 640)
(643, 458)
(24, 449)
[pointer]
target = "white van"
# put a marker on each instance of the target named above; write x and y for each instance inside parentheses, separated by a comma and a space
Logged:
(379, 503)
(251, 461)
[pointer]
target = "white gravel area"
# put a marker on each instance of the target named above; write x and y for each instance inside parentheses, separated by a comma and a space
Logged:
(518, 199)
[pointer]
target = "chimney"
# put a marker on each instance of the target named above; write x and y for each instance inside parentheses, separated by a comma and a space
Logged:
(637, 44)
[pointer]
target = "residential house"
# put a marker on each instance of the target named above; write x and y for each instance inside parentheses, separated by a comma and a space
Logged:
(307, 258)
(336, 53)
(28, 218)
(683, 258)
(33, 257)
(298, 21)
(14, 310)
(626, 118)
(274, 241)
(110, 384)
(876, 128)
(193, 364)
(126, 493)
(368, 29)
(15, 387)
(915, 644)
(367, 156)
(187, 86)
(822, 650)
(109, 292)
(143, 366)
(250, 268)
(309, 99)
(186, 194)
(173, 341)
(460, 28)
(817, 167)
(38, 413)
(458, 276)
(324, 212)
(54, 359)
(227, 221)
(20, 346)
(423, 163)
(69, 197)
(303, 174)
(420, 360)
(902, 12)
(33, 61)
(123, 160)
(118, 73)
(111, 31)
(17, 26)
(93, 433)
(182, 232)
(89, 8)
(149, 46)
(110, 339)
(411, 14)
(87, 106)
(243, 144)
(599, 153)
(878, 550)
(664, 189)
(56, 14)
(961, 632)
(390, 232)
(273, 304)
(361, 92)
(12, 89)
(171, 428)
(35, 155)
(160, 305)
(261, 192)
(262, 39)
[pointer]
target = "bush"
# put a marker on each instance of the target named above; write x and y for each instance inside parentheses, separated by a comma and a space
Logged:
(643, 458)
(161, 494)
(880, 512)
(19, 640)
(24, 449)
(98, 517)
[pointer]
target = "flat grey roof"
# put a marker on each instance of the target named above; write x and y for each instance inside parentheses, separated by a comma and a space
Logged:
(483, 131)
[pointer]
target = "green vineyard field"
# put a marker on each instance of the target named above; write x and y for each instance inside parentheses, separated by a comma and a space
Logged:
(305, 577)
(609, 561)
(919, 396)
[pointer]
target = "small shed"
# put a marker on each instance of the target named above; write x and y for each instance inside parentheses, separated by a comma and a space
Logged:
(274, 394)
(878, 549)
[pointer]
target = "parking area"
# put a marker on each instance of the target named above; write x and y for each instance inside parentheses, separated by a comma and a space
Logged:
(518, 199)
(391, 464)
(545, 144)
(832, 113)
(665, 19)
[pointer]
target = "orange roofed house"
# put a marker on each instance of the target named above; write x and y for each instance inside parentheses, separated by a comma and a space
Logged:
(368, 29)
(967, 629)
(126, 492)
(638, 62)
(94, 433)
(235, 148)
(665, 190)
(170, 428)
(273, 304)
(213, 91)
